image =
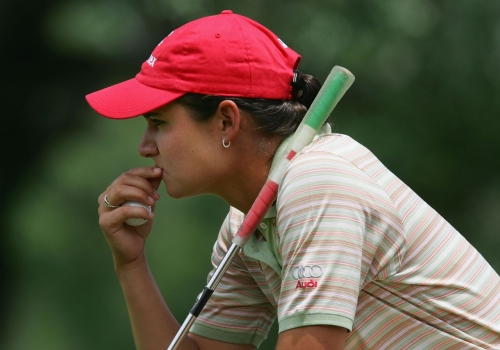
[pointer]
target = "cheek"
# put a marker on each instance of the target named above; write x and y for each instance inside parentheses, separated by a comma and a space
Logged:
(201, 161)
(169, 144)
(183, 156)
(191, 151)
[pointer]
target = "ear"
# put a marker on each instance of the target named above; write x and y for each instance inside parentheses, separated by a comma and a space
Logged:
(228, 119)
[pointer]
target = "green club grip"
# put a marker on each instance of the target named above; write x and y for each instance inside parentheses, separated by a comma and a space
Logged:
(335, 86)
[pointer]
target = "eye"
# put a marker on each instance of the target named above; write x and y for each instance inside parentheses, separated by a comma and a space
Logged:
(156, 122)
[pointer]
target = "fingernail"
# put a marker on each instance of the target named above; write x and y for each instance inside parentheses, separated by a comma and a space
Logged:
(157, 194)
(151, 200)
(157, 170)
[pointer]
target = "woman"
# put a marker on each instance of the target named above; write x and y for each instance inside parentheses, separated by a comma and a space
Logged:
(348, 256)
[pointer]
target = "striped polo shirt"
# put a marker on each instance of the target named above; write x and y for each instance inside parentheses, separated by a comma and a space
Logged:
(349, 244)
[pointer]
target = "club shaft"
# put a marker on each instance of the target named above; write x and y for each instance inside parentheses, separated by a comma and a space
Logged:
(186, 325)
(219, 272)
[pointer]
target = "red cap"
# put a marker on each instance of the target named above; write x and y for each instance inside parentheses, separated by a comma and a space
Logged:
(225, 55)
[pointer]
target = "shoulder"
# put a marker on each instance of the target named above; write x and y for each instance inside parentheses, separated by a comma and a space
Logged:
(336, 146)
(331, 158)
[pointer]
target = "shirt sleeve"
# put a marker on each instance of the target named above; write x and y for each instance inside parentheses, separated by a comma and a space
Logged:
(337, 231)
(238, 311)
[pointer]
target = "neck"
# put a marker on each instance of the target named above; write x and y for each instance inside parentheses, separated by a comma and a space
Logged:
(248, 177)
(246, 187)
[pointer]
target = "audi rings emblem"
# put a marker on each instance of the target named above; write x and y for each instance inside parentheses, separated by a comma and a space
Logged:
(307, 271)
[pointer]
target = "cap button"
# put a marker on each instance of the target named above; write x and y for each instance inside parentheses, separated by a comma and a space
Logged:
(227, 12)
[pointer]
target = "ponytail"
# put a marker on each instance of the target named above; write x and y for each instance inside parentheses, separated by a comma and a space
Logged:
(305, 88)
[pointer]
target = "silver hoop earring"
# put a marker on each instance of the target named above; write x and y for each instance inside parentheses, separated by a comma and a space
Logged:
(224, 143)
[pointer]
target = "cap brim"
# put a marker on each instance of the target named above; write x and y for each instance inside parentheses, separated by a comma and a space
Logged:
(129, 99)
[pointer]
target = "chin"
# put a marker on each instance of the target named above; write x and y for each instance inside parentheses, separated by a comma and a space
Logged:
(178, 193)
(174, 194)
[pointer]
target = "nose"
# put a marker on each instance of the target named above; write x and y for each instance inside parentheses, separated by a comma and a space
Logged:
(147, 146)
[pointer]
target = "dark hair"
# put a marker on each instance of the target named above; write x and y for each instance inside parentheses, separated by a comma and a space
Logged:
(272, 117)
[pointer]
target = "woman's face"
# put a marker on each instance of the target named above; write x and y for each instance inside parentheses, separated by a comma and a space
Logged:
(186, 150)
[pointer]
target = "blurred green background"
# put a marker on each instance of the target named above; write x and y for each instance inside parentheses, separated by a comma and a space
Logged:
(425, 101)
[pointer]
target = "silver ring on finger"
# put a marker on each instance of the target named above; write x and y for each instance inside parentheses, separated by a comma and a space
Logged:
(108, 204)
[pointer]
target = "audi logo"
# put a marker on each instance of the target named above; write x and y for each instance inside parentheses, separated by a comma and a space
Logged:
(306, 271)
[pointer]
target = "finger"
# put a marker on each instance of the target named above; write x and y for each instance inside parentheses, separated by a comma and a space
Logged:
(135, 178)
(113, 220)
(154, 178)
(121, 193)
(147, 172)
(117, 193)
(132, 179)
(138, 177)
(156, 184)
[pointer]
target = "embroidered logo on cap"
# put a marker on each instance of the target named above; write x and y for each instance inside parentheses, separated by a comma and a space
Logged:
(151, 60)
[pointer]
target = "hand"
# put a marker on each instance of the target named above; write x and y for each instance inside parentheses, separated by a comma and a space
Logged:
(127, 242)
